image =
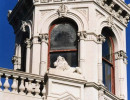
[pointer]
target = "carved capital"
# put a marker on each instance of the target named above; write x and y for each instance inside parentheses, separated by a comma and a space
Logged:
(82, 35)
(62, 11)
(44, 37)
(100, 38)
(15, 60)
(28, 42)
(121, 55)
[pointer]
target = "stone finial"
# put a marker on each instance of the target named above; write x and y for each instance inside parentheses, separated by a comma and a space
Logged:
(61, 63)
(9, 12)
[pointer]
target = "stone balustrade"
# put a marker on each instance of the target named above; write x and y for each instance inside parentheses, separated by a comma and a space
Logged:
(21, 83)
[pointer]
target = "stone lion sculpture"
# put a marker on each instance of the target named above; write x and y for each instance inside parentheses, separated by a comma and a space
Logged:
(61, 64)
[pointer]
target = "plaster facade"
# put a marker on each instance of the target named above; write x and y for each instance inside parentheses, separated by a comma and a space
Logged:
(85, 82)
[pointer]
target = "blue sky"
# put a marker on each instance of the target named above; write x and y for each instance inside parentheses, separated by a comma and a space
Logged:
(7, 38)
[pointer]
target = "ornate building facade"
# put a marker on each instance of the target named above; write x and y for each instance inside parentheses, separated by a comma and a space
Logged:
(68, 50)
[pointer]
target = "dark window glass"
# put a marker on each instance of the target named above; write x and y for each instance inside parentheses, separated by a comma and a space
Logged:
(108, 60)
(63, 36)
(107, 75)
(107, 50)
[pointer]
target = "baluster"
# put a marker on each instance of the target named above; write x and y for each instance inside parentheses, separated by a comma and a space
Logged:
(29, 88)
(22, 87)
(6, 84)
(44, 92)
(14, 85)
(0, 81)
(37, 88)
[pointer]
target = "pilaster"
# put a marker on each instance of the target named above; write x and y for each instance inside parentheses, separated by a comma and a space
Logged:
(28, 42)
(121, 63)
(44, 53)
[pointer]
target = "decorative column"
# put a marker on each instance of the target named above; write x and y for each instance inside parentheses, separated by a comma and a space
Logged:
(121, 60)
(44, 53)
(19, 57)
(81, 59)
(100, 40)
(28, 42)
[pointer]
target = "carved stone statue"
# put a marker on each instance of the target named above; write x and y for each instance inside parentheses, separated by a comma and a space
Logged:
(61, 64)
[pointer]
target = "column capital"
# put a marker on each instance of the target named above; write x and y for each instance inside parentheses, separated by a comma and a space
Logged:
(28, 42)
(15, 60)
(100, 38)
(43, 37)
(82, 35)
(121, 55)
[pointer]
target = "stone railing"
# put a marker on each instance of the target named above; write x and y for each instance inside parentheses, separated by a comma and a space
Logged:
(21, 83)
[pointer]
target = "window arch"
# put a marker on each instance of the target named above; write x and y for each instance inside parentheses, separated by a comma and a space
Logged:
(108, 60)
(63, 41)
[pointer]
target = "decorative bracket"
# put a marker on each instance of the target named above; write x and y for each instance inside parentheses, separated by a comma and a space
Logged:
(101, 38)
(82, 35)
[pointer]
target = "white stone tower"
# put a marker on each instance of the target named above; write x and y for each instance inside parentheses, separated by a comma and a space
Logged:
(68, 50)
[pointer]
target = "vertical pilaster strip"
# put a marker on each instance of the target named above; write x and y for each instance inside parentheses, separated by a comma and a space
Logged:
(44, 53)
(121, 57)
(100, 40)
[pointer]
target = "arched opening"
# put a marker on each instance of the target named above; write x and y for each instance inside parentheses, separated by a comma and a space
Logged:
(108, 60)
(63, 41)
(25, 35)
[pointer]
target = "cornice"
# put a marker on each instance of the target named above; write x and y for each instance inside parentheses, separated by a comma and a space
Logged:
(103, 88)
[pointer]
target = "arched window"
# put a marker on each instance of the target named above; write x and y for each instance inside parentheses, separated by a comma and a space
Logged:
(108, 60)
(63, 41)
